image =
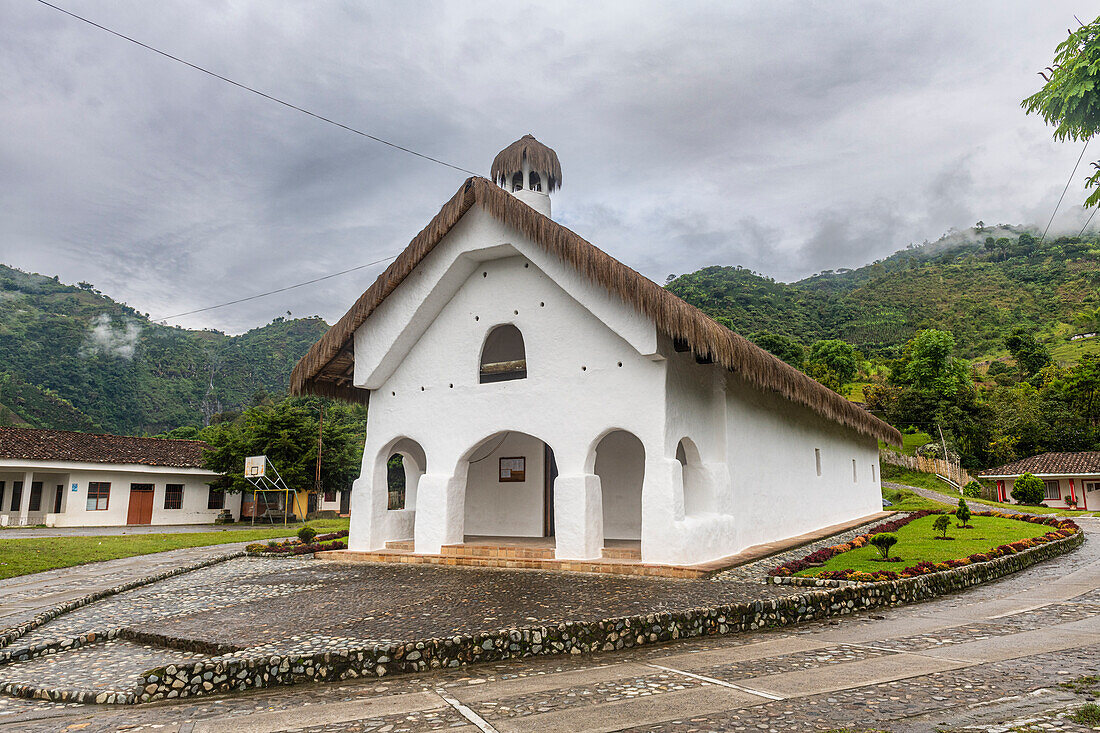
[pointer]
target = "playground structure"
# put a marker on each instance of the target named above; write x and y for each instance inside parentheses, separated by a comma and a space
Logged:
(266, 482)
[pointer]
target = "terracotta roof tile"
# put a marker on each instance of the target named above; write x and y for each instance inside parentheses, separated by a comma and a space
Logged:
(1083, 462)
(62, 445)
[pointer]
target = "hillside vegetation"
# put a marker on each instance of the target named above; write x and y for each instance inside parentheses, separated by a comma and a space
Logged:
(73, 358)
(976, 285)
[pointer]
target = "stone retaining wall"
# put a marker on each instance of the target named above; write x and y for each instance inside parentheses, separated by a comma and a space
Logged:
(215, 676)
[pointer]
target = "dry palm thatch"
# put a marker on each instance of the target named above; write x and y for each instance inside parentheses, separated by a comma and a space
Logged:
(327, 368)
(538, 156)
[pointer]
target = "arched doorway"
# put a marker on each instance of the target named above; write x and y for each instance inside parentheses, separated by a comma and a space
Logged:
(509, 487)
(697, 496)
(620, 464)
(404, 465)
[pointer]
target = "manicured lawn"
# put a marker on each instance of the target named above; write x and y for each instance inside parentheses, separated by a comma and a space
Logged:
(907, 501)
(33, 555)
(916, 544)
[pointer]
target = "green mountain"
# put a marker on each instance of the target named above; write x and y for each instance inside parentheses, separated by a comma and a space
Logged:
(979, 285)
(73, 358)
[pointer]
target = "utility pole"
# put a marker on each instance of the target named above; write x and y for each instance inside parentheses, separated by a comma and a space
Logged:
(320, 435)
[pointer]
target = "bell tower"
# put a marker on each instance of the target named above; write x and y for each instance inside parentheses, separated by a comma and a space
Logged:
(530, 171)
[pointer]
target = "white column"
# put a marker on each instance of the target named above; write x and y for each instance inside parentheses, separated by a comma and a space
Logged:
(578, 517)
(662, 507)
(25, 499)
(440, 512)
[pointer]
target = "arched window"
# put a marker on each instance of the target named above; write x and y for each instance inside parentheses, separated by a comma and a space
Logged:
(395, 482)
(517, 181)
(503, 356)
(536, 182)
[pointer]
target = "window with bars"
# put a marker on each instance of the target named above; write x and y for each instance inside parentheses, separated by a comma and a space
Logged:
(173, 496)
(16, 495)
(2, 487)
(99, 496)
(216, 499)
(1051, 490)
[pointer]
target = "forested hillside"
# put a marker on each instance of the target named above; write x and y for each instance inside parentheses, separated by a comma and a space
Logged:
(73, 358)
(978, 285)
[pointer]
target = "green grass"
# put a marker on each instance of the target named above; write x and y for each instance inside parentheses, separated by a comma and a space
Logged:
(899, 475)
(906, 501)
(33, 555)
(1087, 714)
(916, 544)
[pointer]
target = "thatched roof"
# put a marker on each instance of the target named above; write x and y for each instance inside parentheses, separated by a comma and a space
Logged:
(327, 368)
(539, 157)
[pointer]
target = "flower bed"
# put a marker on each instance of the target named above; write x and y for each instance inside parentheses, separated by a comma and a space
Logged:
(1061, 529)
(292, 547)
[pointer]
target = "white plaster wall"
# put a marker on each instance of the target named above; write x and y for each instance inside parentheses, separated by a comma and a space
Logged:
(514, 509)
(587, 374)
(75, 514)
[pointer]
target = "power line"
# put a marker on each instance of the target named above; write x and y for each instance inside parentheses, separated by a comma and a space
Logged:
(278, 290)
(1056, 206)
(1086, 223)
(247, 88)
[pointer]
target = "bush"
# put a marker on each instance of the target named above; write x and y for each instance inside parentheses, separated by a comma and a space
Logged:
(973, 490)
(941, 524)
(306, 534)
(883, 542)
(1028, 490)
(962, 514)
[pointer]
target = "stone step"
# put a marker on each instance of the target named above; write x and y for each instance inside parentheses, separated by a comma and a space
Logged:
(622, 553)
(518, 552)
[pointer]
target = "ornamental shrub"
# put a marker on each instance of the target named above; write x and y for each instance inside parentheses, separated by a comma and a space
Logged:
(963, 514)
(972, 490)
(941, 524)
(1028, 490)
(883, 541)
(306, 534)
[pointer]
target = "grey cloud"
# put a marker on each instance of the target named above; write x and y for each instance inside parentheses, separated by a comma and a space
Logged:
(783, 137)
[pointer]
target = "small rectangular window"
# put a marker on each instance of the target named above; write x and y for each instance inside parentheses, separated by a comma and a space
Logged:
(855, 476)
(817, 457)
(1051, 490)
(330, 496)
(873, 473)
(216, 499)
(99, 496)
(16, 495)
(173, 496)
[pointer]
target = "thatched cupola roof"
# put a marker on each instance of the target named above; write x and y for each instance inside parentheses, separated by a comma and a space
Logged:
(539, 158)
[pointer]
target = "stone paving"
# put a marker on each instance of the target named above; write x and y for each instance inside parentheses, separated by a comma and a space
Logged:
(521, 694)
(107, 666)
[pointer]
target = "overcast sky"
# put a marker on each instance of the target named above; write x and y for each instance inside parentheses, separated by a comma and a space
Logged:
(787, 137)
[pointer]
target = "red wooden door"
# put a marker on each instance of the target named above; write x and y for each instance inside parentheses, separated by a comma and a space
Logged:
(140, 510)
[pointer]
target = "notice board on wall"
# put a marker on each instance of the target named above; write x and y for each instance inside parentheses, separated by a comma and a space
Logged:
(513, 469)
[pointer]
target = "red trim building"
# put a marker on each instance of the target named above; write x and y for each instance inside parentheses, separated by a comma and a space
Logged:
(1070, 479)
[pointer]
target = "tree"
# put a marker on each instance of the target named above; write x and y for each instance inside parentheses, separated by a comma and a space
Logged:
(1030, 355)
(963, 514)
(980, 226)
(941, 523)
(883, 541)
(1070, 98)
(837, 356)
(1027, 489)
(286, 433)
(785, 347)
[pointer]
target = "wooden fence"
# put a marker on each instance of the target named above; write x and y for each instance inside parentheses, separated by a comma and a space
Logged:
(946, 469)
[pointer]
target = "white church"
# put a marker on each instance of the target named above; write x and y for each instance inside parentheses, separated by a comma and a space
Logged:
(535, 387)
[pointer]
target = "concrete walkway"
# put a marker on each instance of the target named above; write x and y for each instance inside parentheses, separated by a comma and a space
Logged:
(25, 596)
(19, 533)
(991, 653)
(953, 500)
